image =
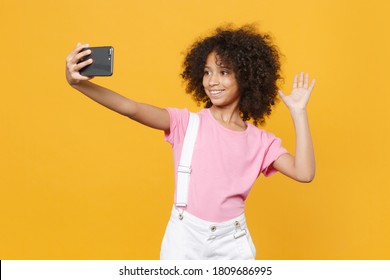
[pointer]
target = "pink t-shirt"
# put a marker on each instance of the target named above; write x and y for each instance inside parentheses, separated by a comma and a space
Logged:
(225, 163)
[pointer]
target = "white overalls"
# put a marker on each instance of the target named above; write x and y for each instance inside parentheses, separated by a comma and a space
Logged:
(190, 238)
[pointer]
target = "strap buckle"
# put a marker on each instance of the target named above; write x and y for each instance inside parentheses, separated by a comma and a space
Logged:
(180, 211)
(184, 169)
(180, 204)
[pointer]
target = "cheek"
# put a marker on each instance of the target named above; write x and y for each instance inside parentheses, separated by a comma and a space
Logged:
(204, 82)
(234, 87)
(231, 83)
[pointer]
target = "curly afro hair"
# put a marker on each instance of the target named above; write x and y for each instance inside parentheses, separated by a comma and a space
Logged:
(254, 60)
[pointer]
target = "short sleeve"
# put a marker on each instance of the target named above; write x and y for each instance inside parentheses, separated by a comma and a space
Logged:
(178, 121)
(273, 152)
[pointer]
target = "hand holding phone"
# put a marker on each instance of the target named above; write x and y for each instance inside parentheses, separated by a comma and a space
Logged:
(103, 61)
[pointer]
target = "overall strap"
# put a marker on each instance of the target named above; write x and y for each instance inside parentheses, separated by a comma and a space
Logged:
(184, 168)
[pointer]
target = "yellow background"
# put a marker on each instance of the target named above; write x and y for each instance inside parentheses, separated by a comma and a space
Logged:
(80, 182)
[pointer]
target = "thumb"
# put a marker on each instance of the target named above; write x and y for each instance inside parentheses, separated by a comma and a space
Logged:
(281, 94)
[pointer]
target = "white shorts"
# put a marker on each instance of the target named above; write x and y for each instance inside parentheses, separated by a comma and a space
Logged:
(192, 238)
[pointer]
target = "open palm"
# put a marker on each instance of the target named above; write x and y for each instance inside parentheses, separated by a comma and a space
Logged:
(300, 94)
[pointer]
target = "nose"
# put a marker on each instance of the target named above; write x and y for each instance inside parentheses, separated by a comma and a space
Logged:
(213, 80)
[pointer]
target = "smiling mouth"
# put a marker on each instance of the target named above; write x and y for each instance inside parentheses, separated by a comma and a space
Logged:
(216, 92)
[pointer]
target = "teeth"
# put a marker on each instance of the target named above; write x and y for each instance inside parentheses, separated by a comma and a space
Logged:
(215, 91)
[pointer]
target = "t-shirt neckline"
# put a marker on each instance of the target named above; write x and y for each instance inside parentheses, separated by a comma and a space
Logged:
(225, 128)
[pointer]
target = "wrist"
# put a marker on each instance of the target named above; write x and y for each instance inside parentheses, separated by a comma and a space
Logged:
(298, 111)
(72, 82)
(76, 84)
(298, 114)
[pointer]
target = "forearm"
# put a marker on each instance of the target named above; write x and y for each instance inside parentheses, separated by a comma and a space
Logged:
(146, 114)
(304, 160)
(143, 113)
(107, 98)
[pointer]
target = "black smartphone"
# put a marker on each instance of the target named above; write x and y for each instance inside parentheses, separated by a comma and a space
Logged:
(103, 62)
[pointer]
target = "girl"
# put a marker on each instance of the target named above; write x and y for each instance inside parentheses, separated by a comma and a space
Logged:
(234, 72)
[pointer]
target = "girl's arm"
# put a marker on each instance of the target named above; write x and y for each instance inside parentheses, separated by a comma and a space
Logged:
(300, 167)
(146, 114)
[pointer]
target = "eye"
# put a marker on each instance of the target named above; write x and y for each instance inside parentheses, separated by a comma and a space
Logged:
(206, 73)
(224, 73)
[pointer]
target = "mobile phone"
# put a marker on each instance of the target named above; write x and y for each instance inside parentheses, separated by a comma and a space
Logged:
(103, 62)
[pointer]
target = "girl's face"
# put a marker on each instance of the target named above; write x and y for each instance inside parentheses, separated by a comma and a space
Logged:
(220, 83)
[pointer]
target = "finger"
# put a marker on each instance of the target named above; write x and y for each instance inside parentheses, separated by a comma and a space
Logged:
(295, 83)
(76, 50)
(83, 64)
(79, 47)
(306, 81)
(80, 77)
(80, 55)
(300, 83)
(312, 85)
(281, 94)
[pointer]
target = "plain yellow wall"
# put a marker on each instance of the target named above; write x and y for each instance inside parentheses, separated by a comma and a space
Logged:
(80, 182)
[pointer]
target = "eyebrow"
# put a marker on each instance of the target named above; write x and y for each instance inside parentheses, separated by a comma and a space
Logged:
(219, 66)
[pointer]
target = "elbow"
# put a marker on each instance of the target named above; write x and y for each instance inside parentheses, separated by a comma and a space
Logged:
(306, 174)
(306, 180)
(306, 177)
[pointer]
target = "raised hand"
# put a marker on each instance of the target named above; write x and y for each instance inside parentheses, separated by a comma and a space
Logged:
(300, 94)
(73, 66)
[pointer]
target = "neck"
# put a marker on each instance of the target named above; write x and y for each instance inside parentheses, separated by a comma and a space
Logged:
(230, 119)
(226, 115)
